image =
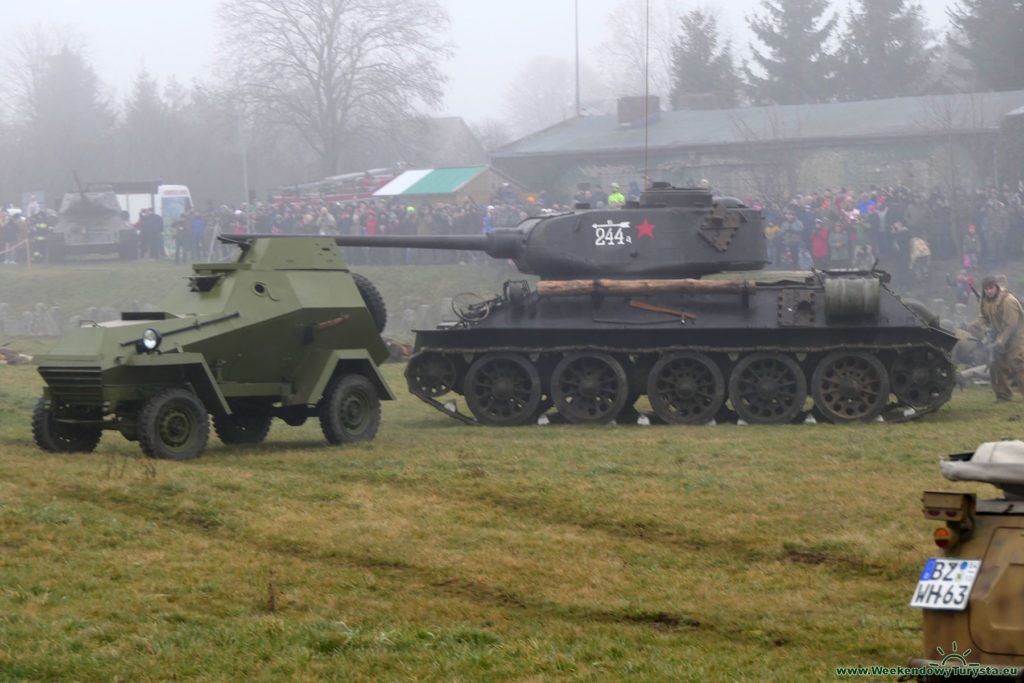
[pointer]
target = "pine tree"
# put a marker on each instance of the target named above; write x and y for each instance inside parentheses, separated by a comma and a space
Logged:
(144, 130)
(700, 63)
(796, 66)
(886, 51)
(989, 34)
(65, 119)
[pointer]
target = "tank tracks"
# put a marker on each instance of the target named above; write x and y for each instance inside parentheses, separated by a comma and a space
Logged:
(685, 384)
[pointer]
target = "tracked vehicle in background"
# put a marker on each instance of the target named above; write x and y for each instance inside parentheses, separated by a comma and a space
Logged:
(634, 302)
(91, 223)
(284, 331)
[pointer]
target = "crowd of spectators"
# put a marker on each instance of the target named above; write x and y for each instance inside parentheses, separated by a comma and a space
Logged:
(839, 229)
(890, 227)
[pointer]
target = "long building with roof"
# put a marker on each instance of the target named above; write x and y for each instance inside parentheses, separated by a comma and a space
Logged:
(939, 141)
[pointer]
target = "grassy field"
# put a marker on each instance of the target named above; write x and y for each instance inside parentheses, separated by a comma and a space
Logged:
(445, 552)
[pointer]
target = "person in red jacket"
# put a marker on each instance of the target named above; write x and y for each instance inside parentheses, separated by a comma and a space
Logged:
(819, 244)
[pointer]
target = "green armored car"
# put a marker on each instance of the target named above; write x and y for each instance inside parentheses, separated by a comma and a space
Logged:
(283, 331)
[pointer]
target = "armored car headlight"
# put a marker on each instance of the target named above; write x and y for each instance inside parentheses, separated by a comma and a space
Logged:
(150, 341)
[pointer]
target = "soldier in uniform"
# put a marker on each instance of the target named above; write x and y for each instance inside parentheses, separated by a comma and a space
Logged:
(1002, 318)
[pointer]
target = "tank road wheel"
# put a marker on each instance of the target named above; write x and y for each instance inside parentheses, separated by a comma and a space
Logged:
(350, 410)
(767, 388)
(850, 386)
(502, 389)
(55, 436)
(242, 427)
(373, 300)
(922, 377)
(685, 388)
(589, 388)
(430, 374)
(173, 425)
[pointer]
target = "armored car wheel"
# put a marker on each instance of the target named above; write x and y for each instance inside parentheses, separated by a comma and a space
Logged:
(922, 377)
(850, 386)
(589, 387)
(55, 436)
(431, 374)
(242, 427)
(173, 425)
(349, 410)
(502, 389)
(767, 388)
(685, 388)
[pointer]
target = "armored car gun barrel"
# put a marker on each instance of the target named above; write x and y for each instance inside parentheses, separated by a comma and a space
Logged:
(284, 331)
(666, 298)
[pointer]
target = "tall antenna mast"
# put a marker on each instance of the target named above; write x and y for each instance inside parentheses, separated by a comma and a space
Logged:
(576, 17)
(647, 84)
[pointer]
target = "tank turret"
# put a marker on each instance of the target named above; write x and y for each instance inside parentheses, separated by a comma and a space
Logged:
(669, 233)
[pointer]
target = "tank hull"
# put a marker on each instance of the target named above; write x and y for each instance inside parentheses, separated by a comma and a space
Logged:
(839, 346)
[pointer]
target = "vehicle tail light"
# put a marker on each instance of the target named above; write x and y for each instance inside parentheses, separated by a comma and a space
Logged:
(946, 538)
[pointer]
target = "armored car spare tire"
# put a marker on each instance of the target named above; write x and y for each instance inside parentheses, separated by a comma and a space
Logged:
(374, 301)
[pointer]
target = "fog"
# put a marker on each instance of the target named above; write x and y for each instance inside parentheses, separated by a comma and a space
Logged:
(492, 42)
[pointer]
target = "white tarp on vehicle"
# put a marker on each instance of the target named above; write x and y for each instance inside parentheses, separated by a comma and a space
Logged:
(1000, 463)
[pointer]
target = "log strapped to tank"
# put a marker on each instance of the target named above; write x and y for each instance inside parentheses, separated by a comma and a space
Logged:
(641, 287)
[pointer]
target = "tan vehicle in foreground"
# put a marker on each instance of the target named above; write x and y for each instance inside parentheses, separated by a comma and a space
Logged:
(972, 595)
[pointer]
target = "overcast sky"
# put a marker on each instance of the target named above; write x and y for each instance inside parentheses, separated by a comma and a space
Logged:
(492, 40)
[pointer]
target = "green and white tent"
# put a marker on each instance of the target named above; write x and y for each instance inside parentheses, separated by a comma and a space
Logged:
(450, 185)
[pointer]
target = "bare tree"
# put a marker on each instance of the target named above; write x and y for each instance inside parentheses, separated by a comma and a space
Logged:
(540, 95)
(634, 43)
(336, 71)
(772, 162)
(491, 133)
(963, 154)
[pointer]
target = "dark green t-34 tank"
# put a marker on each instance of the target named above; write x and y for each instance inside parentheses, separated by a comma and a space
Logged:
(623, 309)
(284, 331)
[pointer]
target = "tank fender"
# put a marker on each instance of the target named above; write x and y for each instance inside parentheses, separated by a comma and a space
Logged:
(197, 372)
(923, 312)
(346, 361)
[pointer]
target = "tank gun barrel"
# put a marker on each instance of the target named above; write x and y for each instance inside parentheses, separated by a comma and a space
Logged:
(498, 243)
(78, 184)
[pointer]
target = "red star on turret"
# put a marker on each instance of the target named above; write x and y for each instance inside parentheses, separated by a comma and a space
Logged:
(645, 228)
